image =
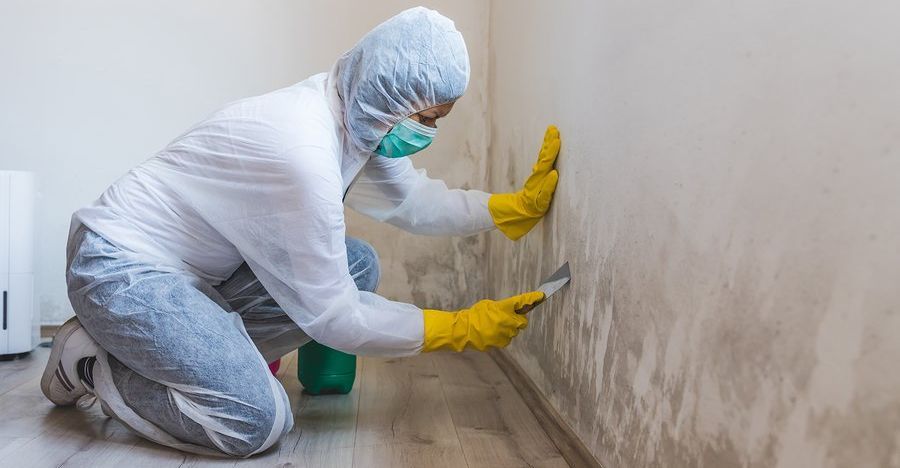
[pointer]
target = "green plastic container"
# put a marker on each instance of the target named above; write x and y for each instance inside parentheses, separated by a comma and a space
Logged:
(323, 370)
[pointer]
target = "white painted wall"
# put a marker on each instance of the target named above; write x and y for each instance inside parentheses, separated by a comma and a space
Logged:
(89, 89)
(729, 201)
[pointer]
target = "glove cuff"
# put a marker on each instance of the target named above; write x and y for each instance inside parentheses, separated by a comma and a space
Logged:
(444, 330)
(512, 222)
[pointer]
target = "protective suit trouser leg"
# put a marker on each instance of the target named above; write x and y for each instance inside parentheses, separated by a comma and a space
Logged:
(179, 366)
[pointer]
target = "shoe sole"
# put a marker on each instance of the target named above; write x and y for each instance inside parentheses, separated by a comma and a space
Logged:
(52, 369)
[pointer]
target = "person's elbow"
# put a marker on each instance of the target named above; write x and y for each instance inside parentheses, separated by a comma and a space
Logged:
(343, 332)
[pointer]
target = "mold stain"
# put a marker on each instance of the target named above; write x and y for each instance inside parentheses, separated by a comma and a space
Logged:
(449, 278)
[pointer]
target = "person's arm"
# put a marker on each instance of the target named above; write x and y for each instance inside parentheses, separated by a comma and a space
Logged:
(290, 231)
(393, 191)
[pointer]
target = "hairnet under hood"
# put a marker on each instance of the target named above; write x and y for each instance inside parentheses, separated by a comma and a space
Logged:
(407, 64)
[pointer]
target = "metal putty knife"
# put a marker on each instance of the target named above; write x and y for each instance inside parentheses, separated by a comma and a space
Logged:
(550, 285)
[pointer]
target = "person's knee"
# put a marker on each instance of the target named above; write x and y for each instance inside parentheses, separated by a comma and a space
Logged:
(242, 414)
(364, 266)
(264, 422)
(251, 441)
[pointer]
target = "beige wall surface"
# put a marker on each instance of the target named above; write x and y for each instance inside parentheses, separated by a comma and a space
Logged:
(90, 89)
(730, 204)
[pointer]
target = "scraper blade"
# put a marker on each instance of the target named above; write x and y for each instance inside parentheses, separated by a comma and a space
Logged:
(550, 286)
(556, 281)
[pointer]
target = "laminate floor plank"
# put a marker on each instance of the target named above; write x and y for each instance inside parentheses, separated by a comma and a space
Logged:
(404, 419)
(495, 426)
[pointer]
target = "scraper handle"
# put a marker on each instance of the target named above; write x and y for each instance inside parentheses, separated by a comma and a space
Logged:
(530, 307)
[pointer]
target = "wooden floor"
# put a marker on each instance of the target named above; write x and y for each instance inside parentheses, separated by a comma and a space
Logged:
(435, 410)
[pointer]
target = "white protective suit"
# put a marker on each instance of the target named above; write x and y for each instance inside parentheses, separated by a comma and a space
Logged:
(263, 181)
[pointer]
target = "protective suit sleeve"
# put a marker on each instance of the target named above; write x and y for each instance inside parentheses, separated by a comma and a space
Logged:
(393, 191)
(294, 243)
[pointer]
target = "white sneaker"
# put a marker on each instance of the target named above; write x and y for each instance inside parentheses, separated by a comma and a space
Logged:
(60, 382)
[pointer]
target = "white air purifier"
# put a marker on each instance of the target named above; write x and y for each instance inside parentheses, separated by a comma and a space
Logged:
(18, 329)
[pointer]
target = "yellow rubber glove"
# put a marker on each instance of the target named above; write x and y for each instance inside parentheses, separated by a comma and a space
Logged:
(486, 324)
(516, 213)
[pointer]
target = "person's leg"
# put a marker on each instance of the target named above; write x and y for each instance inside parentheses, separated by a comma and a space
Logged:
(273, 332)
(176, 367)
(364, 266)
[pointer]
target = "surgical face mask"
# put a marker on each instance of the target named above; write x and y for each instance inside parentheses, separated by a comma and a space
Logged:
(406, 138)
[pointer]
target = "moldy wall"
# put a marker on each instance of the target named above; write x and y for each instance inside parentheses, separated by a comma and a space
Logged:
(729, 204)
